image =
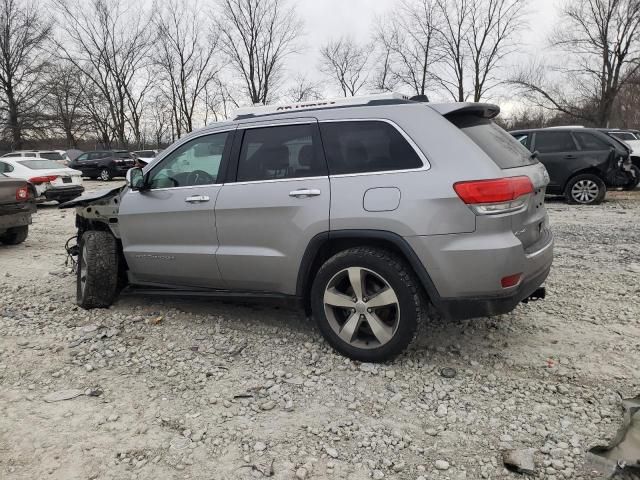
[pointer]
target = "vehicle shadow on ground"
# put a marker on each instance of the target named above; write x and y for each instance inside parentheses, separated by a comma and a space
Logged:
(434, 333)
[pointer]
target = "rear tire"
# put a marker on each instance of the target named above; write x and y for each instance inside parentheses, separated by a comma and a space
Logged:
(97, 272)
(105, 175)
(15, 235)
(367, 330)
(634, 183)
(585, 189)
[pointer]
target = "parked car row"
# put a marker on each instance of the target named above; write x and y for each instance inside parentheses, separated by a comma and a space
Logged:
(582, 162)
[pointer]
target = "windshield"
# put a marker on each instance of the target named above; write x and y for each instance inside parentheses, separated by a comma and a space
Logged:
(504, 150)
(51, 156)
(624, 135)
(39, 164)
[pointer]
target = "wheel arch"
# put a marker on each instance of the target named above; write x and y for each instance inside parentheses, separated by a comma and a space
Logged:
(326, 244)
(585, 171)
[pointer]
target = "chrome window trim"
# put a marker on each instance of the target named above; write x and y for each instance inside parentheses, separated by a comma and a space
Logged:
(188, 187)
(277, 180)
(159, 160)
(426, 165)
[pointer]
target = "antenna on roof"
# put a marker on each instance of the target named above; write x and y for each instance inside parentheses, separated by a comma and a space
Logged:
(313, 105)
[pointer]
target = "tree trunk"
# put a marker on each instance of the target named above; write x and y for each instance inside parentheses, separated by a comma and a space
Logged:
(14, 123)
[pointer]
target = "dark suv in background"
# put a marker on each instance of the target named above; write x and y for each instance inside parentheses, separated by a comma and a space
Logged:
(581, 162)
(104, 165)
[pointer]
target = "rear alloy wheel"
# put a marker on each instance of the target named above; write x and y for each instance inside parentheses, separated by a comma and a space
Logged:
(586, 189)
(15, 235)
(366, 303)
(97, 272)
(105, 175)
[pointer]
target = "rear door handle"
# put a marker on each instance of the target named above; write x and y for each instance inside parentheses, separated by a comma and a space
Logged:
(570, 156)
(305, 192)
(197, 199)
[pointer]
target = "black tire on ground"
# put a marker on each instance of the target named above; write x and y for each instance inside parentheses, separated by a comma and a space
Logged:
(574, 196)
(399, 277)
(97, 275)
(15, 235)
(105, 175)
(634, 183)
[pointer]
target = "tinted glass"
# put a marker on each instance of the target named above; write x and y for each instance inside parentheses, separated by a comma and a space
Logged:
(5, 167)
(194, 163)
(623, 135)
(552, 142)
(146, 153)
(122, 155)
(279, 152)
(589, 141)
(52, 155)
(13, 155)
(500, 146)
(371, 146)
(43, 164)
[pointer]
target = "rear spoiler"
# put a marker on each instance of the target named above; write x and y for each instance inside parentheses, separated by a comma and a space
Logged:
(484, 110)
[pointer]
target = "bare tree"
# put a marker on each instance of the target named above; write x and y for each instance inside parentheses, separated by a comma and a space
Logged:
(408, 44)
(220, 100)
(110, 42)
(257, 36)
(493, 26)
(600, 40)
(66, 102)
(24, 32)
(303, 90)
(345, 62)
(476, 36)
(186, 59)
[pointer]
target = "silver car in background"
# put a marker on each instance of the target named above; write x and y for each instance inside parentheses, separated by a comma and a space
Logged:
(364, 209)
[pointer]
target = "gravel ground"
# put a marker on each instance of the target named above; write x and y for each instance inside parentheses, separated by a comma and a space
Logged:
(202, 389)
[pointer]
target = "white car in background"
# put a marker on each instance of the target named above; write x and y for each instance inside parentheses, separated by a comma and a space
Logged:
(59, 156)
(48, 179)
(145, 157)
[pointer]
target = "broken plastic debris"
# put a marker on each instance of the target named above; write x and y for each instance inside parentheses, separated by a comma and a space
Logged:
(621, 458)
(63, 395)
(520, 461)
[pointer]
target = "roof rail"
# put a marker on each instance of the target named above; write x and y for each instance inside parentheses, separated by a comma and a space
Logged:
(382, 98)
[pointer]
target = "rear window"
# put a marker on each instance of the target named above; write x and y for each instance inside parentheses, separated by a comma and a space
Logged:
(366, 146)
(146, 153)
(504, 150)
(43, 164)
(122, 155)
(588, 141)
(51, 156)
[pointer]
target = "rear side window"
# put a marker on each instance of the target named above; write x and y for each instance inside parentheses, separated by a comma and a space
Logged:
(6, 168)
(274, 153)
(623, 135)
(364, 147)
(553, 142)
(500, 146)
(43, 164)
(52, 156)
(589, 141)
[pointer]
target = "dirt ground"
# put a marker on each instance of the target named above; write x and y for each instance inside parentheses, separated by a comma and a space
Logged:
(203, 389)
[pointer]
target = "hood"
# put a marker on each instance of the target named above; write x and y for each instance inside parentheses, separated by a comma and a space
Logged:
(88, 198)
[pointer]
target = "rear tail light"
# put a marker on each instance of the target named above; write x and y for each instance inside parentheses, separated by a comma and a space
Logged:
(43, 179)
(22, 194)
(499, 195)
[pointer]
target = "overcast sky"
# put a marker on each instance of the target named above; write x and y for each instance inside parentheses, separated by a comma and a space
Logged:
(325, 19)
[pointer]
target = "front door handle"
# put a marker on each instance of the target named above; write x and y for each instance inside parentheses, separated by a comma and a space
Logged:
(197, 199)
(305, 192)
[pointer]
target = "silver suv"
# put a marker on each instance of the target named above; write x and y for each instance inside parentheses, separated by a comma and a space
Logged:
(365, 210)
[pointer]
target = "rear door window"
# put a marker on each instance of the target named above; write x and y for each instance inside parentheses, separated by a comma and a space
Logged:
(588, 141)
(500, 146)
(365, 147)
(52, 156)
(554, 142)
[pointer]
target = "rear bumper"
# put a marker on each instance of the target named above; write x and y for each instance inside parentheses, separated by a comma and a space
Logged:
(19, 218)
(464, 308)
(121, 171)
(466, 271)
(63, 193)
